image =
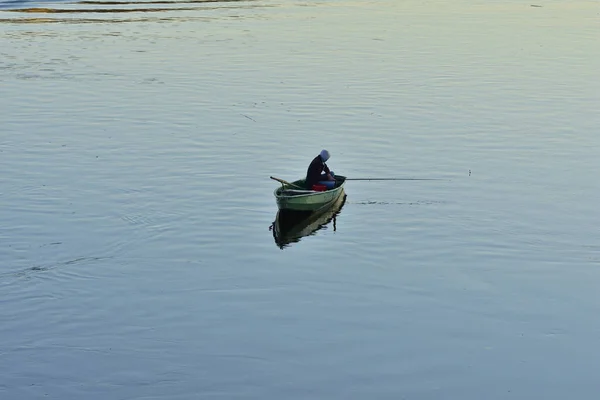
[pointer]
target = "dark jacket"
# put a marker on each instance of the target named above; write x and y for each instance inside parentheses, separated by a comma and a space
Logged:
(315, 169)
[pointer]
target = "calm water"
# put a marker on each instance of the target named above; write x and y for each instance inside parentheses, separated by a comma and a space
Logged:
(136, 145)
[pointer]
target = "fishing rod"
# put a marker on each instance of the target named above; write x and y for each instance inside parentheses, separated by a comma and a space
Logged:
(394, 179)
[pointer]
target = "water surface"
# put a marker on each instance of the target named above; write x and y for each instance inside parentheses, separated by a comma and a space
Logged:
(136, 146)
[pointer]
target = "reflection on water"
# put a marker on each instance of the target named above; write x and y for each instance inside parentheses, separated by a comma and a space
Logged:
(291, 226)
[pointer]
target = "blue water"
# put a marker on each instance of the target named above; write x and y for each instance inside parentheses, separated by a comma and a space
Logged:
(136, 259)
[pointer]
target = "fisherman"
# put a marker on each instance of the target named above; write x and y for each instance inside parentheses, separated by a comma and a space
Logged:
(318, 172)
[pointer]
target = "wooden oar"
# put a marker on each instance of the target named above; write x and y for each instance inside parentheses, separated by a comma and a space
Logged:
(287, 183)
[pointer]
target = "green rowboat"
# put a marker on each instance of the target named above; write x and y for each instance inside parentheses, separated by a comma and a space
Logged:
(292, 196)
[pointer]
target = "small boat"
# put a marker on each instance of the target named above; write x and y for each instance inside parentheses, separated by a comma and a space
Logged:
(291, 226)
(293, 197)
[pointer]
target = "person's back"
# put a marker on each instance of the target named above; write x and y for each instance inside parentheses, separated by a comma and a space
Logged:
(315, 174)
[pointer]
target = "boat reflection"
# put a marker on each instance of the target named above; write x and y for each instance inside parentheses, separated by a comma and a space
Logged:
(291, 226)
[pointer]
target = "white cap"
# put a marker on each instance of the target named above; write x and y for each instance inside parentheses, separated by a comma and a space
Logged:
(324, 155)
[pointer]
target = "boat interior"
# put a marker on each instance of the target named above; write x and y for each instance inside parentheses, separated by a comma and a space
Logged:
(295, 188)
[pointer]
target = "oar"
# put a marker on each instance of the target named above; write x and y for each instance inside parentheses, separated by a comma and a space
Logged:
(287, 183)
(393, 179)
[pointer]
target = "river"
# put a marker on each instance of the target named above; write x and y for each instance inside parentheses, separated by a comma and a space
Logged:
(137, 257)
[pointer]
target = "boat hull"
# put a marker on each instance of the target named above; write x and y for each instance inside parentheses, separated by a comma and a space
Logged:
(312, 201)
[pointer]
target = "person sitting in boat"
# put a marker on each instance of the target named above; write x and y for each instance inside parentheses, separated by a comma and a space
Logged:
(319, 173)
